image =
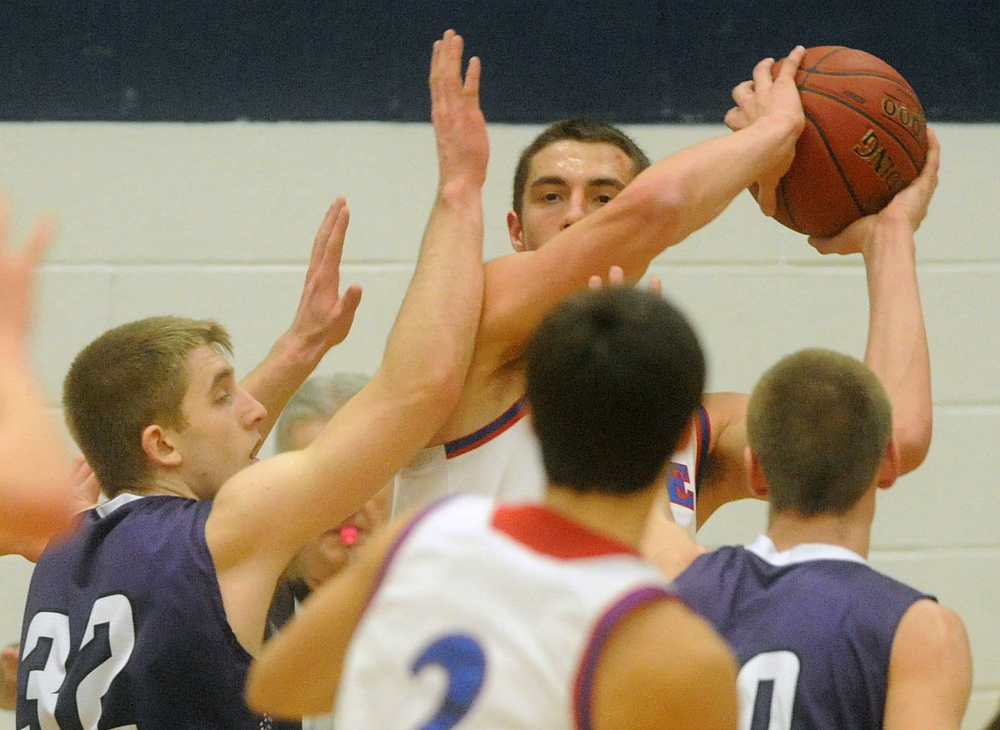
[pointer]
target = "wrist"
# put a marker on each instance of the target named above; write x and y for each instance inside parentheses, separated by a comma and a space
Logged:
(460, 190)
(300, 350)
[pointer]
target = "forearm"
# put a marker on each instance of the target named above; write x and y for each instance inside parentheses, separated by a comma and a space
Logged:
(897, 340)
(432, 339)
(699, 182)
(35, 491)
(274, 381)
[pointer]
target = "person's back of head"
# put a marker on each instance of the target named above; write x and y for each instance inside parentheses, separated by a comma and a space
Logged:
(819, 423)
(579, 129)
(127, 379)
(614, 377)
(315, 402)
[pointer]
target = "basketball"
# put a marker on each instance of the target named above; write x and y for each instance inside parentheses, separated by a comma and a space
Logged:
(864, 140)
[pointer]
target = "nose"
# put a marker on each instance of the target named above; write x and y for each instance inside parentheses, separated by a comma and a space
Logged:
(575, 210)
(255, 411)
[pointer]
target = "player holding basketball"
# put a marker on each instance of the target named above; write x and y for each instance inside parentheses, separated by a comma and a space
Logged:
(825, 641)
(535, 615)
(583, 201)
(149, 614)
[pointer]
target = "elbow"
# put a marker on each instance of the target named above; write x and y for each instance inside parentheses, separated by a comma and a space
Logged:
(441, 386)
(657, 207)
(914, 441)
(274, 698)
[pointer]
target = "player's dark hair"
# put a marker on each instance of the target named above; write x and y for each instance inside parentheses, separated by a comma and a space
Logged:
(580, 129)
(819, 423)
(614, 377)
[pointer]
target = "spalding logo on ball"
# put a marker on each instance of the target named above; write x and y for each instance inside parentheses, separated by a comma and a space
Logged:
(865, 139)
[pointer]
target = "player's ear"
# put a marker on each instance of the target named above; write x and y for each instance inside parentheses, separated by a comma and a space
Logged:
(159, 446)
(888, 470)
(515, 231)
(756, 483)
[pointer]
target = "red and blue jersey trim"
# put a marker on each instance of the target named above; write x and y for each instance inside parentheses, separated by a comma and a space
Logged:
(488, 432)
(584, 690)
(549, 533)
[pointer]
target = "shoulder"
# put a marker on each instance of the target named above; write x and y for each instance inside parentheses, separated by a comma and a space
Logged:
(930, 671)
(930, 630)
(673, 667)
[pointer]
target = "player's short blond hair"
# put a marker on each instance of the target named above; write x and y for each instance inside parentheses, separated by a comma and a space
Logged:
(819, 423)
(130, 377)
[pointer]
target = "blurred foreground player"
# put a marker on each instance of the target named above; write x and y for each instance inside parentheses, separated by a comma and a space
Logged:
(823, 640)
(534, 615)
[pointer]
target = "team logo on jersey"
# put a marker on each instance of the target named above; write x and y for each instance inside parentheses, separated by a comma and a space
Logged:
(678, 481)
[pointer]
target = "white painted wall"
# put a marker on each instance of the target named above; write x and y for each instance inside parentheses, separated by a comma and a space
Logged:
(217, 221)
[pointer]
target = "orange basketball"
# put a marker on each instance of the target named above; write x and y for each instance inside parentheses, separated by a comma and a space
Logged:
(865, 139)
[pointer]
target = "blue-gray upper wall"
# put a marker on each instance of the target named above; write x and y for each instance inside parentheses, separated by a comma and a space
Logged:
(630, 61)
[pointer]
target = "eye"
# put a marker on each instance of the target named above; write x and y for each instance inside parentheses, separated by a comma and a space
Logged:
(604, 198)
(224, 396)
(551, 197)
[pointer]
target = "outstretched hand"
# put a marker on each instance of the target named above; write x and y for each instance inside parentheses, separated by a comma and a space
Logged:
(459, 124)
(765, 96)
(17, 277)
(324, 316)
(908, 207)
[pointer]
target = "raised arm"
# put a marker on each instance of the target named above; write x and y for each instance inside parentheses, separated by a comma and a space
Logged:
(930, 670)
(322, 320)
(659, 208)
(36, 497)
(266, 512)
(897, 340)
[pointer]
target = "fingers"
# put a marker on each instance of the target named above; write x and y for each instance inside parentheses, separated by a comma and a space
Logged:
(328, 253)
(616, 278)
(761, 74)
(472, 77)
(742, 92)
(790, 65)
(39, 241)
(446, 61)
(767, 199)
(933, 162)
(349, 303)
(655, 286)
(325, 229)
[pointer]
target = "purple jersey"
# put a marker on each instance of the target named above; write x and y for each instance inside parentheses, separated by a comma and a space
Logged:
(125, 628)
(812, 629)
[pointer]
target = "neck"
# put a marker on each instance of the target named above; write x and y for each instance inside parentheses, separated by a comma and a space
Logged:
(162, 484)
(621, 517)
(851, 529)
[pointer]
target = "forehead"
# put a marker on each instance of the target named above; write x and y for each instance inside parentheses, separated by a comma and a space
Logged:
(571, 159)
(204, 367)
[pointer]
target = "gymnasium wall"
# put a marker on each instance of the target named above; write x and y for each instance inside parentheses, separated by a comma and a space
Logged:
(190, 149)
(216, 220)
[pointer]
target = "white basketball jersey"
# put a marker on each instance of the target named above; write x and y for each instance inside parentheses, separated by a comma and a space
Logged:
(503, 460)
(489, 617)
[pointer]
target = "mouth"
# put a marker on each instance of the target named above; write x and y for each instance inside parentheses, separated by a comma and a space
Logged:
(256, 449)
